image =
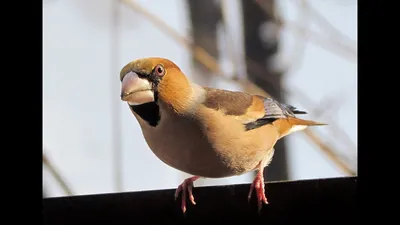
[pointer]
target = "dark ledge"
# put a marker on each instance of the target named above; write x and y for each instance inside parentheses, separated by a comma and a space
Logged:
(322, 201)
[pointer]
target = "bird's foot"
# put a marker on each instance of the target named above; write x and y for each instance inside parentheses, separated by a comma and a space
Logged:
(187, 185)
(258, 184)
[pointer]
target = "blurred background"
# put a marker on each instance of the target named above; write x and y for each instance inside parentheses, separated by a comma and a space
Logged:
(301, 52)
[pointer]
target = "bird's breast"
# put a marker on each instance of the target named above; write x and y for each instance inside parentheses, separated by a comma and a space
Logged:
(203, 148)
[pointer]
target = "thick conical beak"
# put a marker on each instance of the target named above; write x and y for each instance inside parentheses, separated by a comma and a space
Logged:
(136, 90)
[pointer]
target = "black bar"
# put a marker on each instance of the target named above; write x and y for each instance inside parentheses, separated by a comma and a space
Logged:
(325, 201)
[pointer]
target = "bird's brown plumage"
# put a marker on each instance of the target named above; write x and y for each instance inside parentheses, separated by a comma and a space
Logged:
(146, 65)
(205, 131)
(202, 130)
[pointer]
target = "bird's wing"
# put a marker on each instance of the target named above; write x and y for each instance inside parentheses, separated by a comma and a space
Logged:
(252, 111)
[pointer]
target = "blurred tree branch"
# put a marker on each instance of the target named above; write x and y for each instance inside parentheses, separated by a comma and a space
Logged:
(328, 152)
(330, 44)
(228, 36)
(262, 46)
(325, 24)
(56, 175)
(300, 45)
(204, 32)
(116, 137)
(203, 57)
(304, 10)
(334, 129)
(200, 54)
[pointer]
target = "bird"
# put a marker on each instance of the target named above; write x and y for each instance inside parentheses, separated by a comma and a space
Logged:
(203, 131)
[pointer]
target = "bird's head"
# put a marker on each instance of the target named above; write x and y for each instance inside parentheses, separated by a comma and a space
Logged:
(142, 80)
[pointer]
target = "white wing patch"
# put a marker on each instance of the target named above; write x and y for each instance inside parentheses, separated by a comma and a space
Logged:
(294, 129)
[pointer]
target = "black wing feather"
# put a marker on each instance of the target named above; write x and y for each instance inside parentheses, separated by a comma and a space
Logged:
(273, 110)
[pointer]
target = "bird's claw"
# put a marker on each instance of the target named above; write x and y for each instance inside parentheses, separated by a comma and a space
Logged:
(186, 186)
(258, 184)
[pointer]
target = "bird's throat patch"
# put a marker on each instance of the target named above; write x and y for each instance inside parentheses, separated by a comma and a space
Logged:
(150, 112)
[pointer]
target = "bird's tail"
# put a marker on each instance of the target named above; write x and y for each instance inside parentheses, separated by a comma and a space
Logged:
(298, 121)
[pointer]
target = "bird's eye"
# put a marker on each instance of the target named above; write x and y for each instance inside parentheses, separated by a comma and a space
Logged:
(159, 70)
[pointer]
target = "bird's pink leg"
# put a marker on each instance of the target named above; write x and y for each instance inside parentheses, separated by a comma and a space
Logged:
(258, 184)
(187, 185)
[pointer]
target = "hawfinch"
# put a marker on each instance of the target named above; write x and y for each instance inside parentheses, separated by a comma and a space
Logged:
(203, 131)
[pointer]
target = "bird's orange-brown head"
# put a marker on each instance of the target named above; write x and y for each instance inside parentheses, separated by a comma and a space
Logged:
(147, 79)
